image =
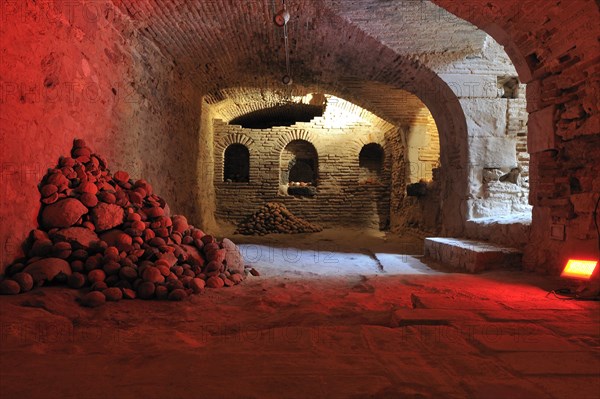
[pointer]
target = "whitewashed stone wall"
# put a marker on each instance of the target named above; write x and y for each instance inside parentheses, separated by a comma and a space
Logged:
(497, 132)
(423, 150)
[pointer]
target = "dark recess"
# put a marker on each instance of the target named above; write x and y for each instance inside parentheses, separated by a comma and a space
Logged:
(282, 115)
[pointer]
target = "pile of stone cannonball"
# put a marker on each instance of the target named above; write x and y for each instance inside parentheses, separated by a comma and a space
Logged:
(115, 238)
(274, 217)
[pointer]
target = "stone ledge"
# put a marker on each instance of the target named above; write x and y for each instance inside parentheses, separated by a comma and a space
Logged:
(511, 230)
(472, 256)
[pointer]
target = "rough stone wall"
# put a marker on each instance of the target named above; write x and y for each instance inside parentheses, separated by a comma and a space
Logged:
(341, 199)
(57, 84)
(165, 130)
(416, 159)
(79, 70)
(517, 126)
(504, 188)
(204, 203)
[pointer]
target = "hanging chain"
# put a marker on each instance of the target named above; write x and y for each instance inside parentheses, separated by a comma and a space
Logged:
(287, 47)
(288, 68)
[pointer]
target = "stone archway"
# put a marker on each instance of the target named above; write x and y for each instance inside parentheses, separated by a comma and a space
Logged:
(564, 117)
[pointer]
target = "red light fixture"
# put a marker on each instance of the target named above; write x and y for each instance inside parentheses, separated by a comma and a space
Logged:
(579, 269)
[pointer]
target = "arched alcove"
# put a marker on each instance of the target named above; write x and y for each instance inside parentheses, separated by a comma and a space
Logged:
(302, 170)
(370, 163)
(236, 164)
(299, 165)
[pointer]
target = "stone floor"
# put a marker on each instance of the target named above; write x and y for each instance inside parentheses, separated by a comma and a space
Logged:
(350, 320)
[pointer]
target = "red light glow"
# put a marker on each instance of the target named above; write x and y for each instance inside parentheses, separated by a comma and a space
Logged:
(580, 269)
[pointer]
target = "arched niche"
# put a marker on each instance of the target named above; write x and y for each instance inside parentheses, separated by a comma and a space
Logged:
(236, 164)
(370, 163)
(299, 165)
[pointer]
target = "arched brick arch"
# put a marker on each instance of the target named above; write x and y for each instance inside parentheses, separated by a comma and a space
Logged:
(359, 143)
(216, 61)
(383, 164)
(235, 138)
(222, 145)
(385, 146)
(296, 134)
(392, 71)
(288, 155)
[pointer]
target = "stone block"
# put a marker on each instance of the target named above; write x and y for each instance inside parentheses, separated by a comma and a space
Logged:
(472, 86)
(493, 152)
(485, 117)
(472, 256)
(483, 208)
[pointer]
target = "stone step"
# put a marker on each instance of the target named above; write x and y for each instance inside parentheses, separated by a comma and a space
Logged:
(472, 256)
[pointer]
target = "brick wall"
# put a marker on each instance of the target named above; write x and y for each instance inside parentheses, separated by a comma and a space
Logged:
(346, 193)
(340, 199)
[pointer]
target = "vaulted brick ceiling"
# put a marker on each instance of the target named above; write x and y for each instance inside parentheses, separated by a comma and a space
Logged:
(224, 44)
(411, 27)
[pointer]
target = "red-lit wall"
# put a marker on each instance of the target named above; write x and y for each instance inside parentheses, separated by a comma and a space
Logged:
(78, 71)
